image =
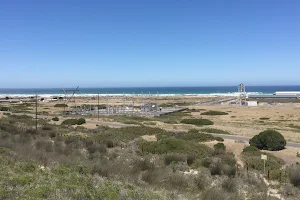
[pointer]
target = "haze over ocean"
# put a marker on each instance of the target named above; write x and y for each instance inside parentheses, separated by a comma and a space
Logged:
(221, 91)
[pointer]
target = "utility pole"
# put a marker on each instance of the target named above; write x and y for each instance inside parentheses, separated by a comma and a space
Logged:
(132, 102)
(98, 106)
(107, 109)
(36, 113)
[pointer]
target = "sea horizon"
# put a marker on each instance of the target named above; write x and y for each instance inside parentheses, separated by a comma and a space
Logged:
(164, 91)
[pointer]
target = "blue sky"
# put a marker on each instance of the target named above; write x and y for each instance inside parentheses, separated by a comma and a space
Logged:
(113, 43)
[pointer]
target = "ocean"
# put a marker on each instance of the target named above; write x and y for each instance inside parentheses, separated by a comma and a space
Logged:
(204, 91)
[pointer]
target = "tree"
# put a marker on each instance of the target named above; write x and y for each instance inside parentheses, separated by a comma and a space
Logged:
(268, 140)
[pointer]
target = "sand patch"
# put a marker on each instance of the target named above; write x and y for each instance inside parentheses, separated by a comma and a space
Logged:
(235, 147)
(149, 138)
(289, 155)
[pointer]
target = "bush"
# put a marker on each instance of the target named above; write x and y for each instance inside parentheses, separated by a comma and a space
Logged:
(230, 185)
(178, 181)
(294, 176)
(264, 118)
(201, 181)
(69, 122)
(214, 130)
(268, 140)
(4, 109)
(213, 194)
(250, 148)
(198, 122)
(219, 139)
(253, 159)
(196, 137)
(151, 176)
(212, 112)
(216, 167)
(219, 147)
(191, 159)
(56, 119)
(142, 165)
(81, 121)
(173, 145)
(229, 170)
(174, 158)
(61, 105)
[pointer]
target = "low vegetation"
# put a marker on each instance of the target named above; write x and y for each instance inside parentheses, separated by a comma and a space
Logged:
(66, 162)
(214, 130)
(70, 122)
(268, 140)
(4, 109)
(197, 122)
(173, 118)
(56, 119)
(61, 105)
(264, 118)
(252, 158)
(294, 175)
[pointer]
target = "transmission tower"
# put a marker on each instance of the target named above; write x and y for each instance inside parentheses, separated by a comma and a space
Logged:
(242, 94)
(68, 97)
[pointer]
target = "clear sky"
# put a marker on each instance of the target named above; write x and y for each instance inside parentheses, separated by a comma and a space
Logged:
(112, 43)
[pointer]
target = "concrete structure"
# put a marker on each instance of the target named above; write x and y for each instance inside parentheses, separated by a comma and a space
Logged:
(270, 96)
(297, 93)
(251, 103)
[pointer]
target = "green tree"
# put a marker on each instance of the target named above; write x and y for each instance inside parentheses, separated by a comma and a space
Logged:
(268, 140)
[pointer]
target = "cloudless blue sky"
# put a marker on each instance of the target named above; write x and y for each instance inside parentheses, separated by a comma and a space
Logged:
(58, 43)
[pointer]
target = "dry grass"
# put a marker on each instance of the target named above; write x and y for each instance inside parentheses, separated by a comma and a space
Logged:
(247, 122)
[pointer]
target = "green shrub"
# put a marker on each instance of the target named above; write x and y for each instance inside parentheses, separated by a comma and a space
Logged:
(219, 147)
(191, 159)
(268, 140)
(81, 121)
(230, 185)
(294, 176)
(151, 176)
(142, 165)
(213, 193)
(4, 150)
(264, 118)
(214, 130)
(229, 170)
(4, 109)
(201, 181)
(174, 158)
(212, 112)
(254, 161)
(250, 148)
(206, 162)
(198, 122)
(69, 122)
(56, 119)
(195, 136)
(61, 105)
(178, 181)
(173, 145)
(219, 139)
(216, 167)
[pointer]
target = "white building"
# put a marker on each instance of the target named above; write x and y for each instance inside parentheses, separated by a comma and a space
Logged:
(251, 103)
